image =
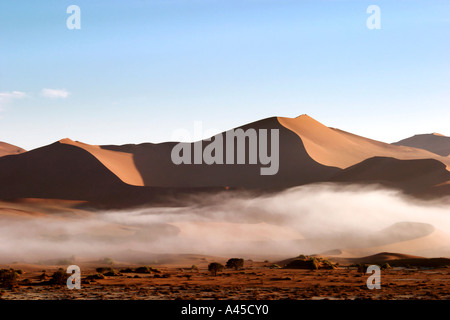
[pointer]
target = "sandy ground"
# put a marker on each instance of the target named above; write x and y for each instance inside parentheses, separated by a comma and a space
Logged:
(255, 281)
(176, 279)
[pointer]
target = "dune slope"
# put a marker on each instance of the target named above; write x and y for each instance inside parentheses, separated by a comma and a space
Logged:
(58, 171)
(308, 152)
(9, 149)
(337, 148)
(296, 167)
(119, 163)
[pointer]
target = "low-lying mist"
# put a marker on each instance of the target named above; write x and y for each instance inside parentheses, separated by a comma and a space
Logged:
(358, 220)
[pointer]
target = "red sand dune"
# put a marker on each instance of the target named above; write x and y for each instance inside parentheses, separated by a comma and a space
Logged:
(119, 163)
(308, 152)
(296, 167)
(9, 149)
(337, 148)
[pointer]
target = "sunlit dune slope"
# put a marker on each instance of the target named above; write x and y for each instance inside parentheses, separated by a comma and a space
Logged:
(9, 149)
(337, 148)
(119, 163)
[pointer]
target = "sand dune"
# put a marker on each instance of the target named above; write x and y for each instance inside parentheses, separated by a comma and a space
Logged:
(378, 258)
(337, 148)
(9, 149)
(296, 167)
(432, 245)
(68, 172)
(407, 237)
(412, 176)
(119, 163)
(384, 256)
(434, 142)
(57, 171)
(308, 152)
(436, 243)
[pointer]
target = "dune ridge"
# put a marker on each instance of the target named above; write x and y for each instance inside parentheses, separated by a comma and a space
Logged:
(337, 148)
(119, 163)
(7, 149)
(309, 152)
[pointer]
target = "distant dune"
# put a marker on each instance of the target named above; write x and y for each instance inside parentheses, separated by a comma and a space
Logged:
(435, 142)
(410, 238)
(387, 256)
(413, 176)
(435, 244)
(396, 260)
(9, 149)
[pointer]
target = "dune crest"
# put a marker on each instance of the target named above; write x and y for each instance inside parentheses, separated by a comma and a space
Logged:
(7, 149)
(337, 148)
(120, 163)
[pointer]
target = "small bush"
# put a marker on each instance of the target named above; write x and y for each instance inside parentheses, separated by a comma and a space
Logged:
(311, 264)
(155, 270)
(8, 278)
(146, 269)
(104, 270)
(96, 276)
(235, 263)
(59, 277)
(215, 267)
(112, 273)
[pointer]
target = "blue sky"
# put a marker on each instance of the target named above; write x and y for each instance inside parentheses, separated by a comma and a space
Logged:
(138, 70)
